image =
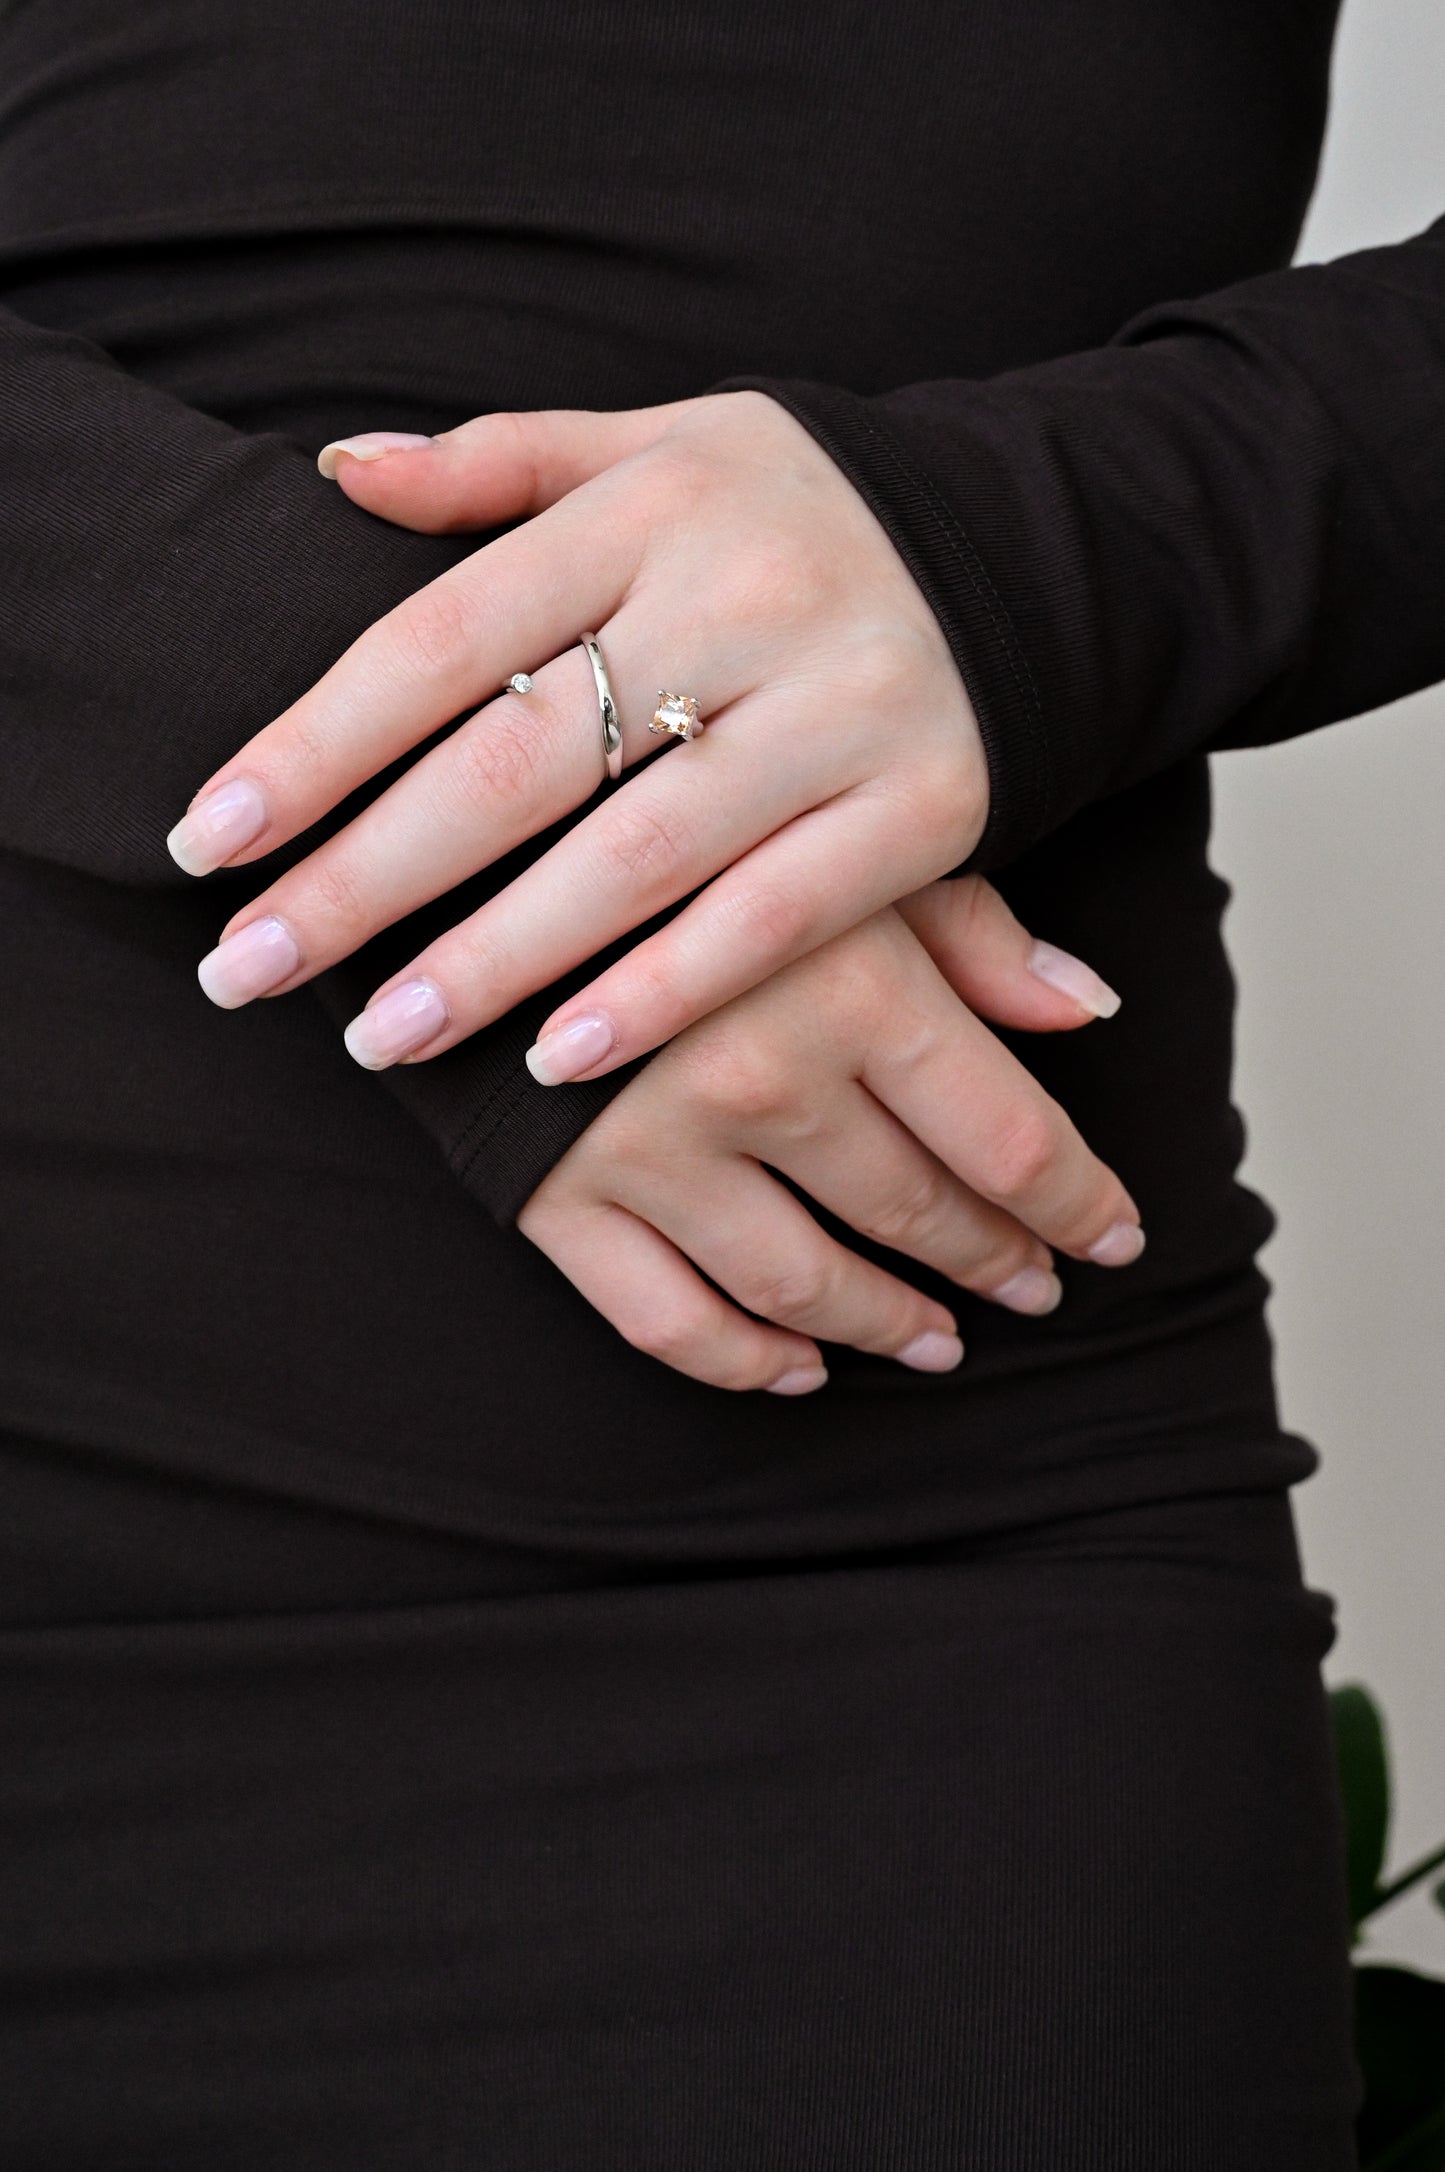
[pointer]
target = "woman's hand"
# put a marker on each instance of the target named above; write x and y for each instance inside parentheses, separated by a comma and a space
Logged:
(860, 1074)
(720, 553)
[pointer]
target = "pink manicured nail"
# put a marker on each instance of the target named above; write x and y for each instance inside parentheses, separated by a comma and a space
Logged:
(397, 1024)
(1032, 1290)
(249, 962)
(1074, 979)
(218, 826)
(933, 1352)
(1119, 1246)
(800, 1381)
(572, 1049)
(371, 445)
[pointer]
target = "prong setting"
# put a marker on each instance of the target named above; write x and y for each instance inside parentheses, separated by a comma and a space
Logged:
(676, 716)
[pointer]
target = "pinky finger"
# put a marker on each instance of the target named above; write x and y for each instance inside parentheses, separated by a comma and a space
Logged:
(658, 1302)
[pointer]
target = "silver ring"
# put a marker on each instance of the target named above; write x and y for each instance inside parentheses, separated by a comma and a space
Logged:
(607, 706)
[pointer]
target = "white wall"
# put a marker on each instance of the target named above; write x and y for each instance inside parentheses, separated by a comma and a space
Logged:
(1336, 848)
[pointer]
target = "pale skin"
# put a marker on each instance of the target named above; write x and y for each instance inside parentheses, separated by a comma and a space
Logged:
(715, 549)
(859, 1073)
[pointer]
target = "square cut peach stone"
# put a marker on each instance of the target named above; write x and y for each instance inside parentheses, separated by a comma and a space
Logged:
(676, 713)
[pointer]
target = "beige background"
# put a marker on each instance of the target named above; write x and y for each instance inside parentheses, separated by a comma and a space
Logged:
(1336, 848)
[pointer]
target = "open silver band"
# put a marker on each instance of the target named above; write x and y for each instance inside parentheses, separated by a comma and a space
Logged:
(607, 706)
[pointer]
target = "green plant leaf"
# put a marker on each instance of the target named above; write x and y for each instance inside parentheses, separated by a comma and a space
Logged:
(1408, 1879)
(1400, 2040)
(1365, 1782)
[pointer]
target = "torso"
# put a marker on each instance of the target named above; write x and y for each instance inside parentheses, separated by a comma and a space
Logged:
(309, 219)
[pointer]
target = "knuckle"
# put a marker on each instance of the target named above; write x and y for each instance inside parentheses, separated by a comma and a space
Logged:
(625, 1137)
(1019, 1157)
(305, 747)
(882, 668)
(772, 917)
(848, 983)
(916, 1038)
(497, 757)
(773, 583)
(998, 1259)
(972, 900)
(866, 983)
(682, 471)
(641, 844)
(432, 634)
(950, 785)
(1100, 1205)
(791, 1295)
(675, 1331)
(518, 449)
(743, 1084)
(919, 800)
(474, 956)
(650, 992)
(913, 1215)
(336, 894)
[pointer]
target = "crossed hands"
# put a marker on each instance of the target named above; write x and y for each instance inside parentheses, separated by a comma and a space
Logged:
(820, 996)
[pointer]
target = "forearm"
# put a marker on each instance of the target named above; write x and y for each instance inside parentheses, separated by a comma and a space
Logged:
(170, 584)
(1224, 528)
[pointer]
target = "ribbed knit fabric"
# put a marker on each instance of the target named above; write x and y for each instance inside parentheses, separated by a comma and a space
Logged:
(1131, 550)
(323, 1853)
(1223, 528)
(435, 1733)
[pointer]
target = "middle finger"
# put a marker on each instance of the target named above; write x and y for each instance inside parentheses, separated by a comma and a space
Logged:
(751, 1236)
(507, 774)
(867, 1168)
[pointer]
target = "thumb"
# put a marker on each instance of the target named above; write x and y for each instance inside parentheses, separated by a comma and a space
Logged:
(990, 959)
(494, 468)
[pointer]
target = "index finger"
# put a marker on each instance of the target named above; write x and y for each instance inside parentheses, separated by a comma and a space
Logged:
(509, 607)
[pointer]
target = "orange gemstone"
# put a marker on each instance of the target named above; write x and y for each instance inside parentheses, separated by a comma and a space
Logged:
(676, 715)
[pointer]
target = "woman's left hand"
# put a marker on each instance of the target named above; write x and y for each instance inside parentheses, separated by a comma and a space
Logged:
(718, 552)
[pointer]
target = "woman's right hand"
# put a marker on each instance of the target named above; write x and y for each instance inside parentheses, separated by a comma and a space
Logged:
(861, 1073)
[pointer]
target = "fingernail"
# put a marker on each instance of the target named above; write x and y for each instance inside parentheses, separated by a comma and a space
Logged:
(371, 445)
(1074, 979)
(397, 1024)
(933, 1352)
(249, 962)
(572, 1049)
(800, 1381)
(1119, 1246)
(1032, 1289)
(218, 826)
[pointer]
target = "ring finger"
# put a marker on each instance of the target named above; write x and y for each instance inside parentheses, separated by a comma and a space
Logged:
(516, 766)
(761, 1245)
(521, 764)
(869, 1170)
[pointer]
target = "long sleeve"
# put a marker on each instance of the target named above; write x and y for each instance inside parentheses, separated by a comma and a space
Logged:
(170, 584)
(1225, 527)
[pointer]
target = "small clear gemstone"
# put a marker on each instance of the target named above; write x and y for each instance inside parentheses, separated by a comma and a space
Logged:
(520, 683)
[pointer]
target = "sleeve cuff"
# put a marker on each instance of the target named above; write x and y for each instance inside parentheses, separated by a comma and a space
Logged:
(951, 566)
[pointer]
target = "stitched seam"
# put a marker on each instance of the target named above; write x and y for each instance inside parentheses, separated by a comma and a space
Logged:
(474, 1140)
(960, 544)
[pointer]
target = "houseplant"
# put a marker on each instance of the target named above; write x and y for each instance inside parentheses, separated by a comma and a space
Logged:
(1399, 2014)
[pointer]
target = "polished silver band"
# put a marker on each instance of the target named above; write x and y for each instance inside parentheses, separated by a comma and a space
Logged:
(607, 705)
